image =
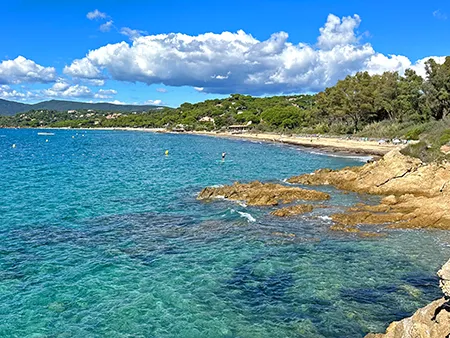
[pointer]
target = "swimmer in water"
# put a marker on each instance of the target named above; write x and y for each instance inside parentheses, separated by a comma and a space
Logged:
(223, 156)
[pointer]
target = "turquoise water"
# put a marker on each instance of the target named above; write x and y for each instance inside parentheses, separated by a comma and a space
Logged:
(101, 235)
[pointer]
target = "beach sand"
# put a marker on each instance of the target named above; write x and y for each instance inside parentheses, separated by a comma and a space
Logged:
(334, 144)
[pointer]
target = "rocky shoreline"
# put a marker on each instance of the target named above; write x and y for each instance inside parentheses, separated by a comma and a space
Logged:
(431, 321)
(417, 195)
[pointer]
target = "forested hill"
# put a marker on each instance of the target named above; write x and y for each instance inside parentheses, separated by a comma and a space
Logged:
(12, 108)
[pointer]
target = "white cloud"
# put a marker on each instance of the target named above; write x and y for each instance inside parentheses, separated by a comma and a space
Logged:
(106, 27)
(237, 62)
(117, 102)
(95, 82)
(155, 102)
(419, 66)
(161, 90)
(338, 32)
(22, 70)
(96, 14)
(62, 89)
(132, 33)
(105, 94)
(8, 93)
(83, 69)
(439, 15)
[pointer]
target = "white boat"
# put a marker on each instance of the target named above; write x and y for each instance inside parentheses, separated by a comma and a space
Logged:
(46, 134)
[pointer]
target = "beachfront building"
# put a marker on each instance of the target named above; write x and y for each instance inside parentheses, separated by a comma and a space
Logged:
(240, 127)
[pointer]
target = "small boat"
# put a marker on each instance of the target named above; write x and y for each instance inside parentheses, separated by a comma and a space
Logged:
(46, 134)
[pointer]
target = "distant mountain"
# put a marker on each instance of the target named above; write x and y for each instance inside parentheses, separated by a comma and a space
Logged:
(12, 108)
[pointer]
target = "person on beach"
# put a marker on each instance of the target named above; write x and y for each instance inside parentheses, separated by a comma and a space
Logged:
(223, 156)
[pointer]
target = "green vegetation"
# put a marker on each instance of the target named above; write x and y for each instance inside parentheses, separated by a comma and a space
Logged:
(378, 106)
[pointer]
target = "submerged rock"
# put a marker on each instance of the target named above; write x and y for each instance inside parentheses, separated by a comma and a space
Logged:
(293, 210)
(431, 321)
(261, 194)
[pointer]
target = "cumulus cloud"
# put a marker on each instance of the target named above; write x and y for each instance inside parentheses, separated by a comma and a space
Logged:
(94, 82)
(62, 89)
(338, 32)
(156, 102)
(22, 70)
(161, 90)
(117, 102)
(106, 27)
(83, 69)
(105, 94)
(96, 14)
(237, 62)
(132, 33)
(8, 93)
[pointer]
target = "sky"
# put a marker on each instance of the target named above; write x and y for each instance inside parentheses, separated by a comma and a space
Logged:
(173, 51)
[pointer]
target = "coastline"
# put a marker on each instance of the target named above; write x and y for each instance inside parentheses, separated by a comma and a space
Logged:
(325, 144)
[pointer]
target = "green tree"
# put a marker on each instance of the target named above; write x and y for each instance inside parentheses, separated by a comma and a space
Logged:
(437, 88)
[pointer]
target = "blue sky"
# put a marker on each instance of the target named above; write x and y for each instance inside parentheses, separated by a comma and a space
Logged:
(175, 51)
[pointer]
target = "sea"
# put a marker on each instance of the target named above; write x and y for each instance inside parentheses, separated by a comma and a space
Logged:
(101, 235)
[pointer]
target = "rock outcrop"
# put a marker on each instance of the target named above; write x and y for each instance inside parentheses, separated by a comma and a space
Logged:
(431, 321)
(262, 194)
(394, 174)
(419, 193)
(293, 210)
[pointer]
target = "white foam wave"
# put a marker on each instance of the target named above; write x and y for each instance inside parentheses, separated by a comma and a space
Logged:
(246, 215)
(362, 158)
(325, 218)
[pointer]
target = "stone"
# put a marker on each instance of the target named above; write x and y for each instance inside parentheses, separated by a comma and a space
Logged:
(431, 321)
(293, 210)
(444, 276)
(262, 194)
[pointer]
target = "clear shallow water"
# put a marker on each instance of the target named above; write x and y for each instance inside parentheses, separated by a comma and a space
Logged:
(101, 236)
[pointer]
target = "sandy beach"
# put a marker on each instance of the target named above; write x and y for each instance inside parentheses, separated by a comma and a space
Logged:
(334, 144)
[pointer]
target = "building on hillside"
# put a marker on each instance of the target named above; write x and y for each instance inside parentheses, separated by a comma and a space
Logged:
(206, 119)
(239, 128)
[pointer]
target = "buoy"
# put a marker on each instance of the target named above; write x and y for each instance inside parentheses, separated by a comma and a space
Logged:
(73, 136)
(46, 140)
(14, 145)
(166, 152)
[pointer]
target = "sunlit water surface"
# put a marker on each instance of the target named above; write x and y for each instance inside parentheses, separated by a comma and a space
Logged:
(101, 235)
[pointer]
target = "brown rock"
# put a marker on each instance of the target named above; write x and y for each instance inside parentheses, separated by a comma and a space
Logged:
(431, 321)
(394, 174)
(365, 217)
(293, 210)
(421, 324)
(262, 194)
(419, 194)
(444, 276)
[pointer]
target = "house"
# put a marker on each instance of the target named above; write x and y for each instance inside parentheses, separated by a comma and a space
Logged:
(179, 129)
(206, 119)
(240, 127)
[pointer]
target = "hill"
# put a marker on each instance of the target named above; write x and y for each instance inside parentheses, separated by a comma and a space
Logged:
(8, 108)
(11, 107)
